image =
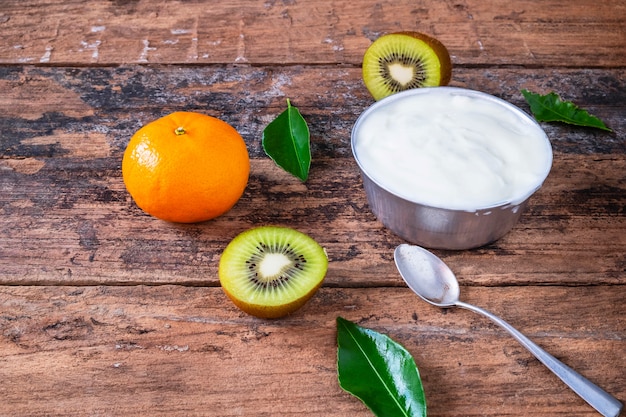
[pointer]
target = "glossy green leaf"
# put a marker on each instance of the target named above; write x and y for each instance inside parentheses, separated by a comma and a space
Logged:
(378, 371)
(286, 140)
(550, 108)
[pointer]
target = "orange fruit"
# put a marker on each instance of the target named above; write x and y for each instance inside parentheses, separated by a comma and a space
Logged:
(186, 167)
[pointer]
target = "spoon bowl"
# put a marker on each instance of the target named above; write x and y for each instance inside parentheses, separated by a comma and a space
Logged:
(427, 275)
(430, 278)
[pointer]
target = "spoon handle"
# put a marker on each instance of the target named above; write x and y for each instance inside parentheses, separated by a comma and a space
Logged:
(603, 402)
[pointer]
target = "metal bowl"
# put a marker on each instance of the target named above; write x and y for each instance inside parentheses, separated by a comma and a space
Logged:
(444, 227)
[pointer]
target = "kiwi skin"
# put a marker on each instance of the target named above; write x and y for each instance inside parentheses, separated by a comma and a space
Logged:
(272, 312)
(440, 49)
(377, 84)
(235, 252)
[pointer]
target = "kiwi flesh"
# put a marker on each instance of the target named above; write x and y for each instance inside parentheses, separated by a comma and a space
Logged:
(272, 271)
(403, 60)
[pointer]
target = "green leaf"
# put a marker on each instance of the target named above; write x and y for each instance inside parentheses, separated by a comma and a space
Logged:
(378, 371)
(550, 108)
(286, 141)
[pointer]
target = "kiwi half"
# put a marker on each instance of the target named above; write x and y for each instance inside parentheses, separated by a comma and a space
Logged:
(399, 61)
(272, 271)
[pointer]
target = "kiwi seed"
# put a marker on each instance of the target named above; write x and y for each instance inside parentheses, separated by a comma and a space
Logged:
(403, 60)
(272, 271)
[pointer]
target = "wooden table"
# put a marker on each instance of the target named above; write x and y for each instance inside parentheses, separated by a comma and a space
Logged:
(107, 311)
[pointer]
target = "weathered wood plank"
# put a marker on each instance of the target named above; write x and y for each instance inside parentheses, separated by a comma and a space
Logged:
(92, 112)
(174, 350)
(82, 228)
(259, 32)
(66, 217)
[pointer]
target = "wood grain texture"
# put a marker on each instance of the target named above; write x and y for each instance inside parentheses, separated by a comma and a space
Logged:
(187, 351)
(551, 33)
(67, 217)
(106, 311)
(87, 230)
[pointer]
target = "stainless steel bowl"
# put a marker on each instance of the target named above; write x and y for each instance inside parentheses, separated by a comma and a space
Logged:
(441, 227)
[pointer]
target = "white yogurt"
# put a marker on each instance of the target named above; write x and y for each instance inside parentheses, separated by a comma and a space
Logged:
(452, 148)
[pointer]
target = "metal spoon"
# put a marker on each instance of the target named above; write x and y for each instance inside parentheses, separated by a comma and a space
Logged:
(431, 279)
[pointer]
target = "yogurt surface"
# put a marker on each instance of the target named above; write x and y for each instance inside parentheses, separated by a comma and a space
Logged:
(452, 148)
